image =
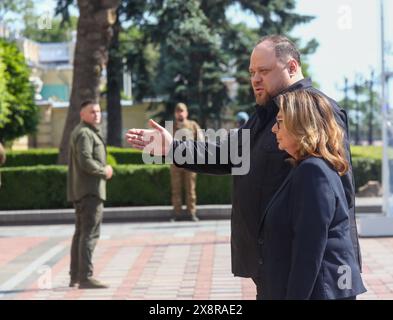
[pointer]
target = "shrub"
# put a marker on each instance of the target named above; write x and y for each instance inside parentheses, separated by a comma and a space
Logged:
(126, 156)
(31, 157)
(36, 187)
(365, 170)
(37, 157)
(367, 164)
(34, 157)
(110, 160)
(44, 187)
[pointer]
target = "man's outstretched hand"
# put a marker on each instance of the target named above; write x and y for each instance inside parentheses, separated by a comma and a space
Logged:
(156, 141)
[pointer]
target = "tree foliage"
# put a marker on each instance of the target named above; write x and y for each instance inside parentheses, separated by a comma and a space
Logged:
(14, 6)
(361, 105)
(94, 33)
(18, 112)
(182, 50)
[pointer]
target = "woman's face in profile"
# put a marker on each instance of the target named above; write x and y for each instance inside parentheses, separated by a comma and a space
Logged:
(286, 141)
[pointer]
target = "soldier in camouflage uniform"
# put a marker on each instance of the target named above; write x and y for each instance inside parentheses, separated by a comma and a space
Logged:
(181, 177)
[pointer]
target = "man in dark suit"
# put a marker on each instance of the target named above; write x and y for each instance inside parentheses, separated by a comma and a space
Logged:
(275, 68)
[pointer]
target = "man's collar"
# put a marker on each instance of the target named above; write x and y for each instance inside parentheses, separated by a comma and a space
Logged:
(96, 129)
(301, 84)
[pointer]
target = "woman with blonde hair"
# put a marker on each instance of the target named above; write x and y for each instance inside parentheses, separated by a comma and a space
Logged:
(304, 234)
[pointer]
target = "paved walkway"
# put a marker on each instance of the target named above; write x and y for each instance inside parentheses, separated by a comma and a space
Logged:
(181, 260)
(147, 213)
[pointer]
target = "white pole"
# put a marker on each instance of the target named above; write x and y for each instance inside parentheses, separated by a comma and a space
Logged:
(384, 111)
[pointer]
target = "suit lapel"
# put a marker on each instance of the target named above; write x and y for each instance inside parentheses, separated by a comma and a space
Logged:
(285, 182)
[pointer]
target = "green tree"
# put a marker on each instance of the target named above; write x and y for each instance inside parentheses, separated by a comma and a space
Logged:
(94, 32)
(361, 104)
(191, 60)
(120, 47)
(196, 46)
(4, 98)
(26, 12)
(114, 79)
(130, 49)
(199, 46)
(239, 50)
(18, 112)
(141, 58)
(274, 17)
(14, 6)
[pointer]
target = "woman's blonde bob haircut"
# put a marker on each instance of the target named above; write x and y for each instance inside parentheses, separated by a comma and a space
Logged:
(309, 118)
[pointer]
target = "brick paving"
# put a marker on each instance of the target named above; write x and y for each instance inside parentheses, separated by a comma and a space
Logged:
(169, 261)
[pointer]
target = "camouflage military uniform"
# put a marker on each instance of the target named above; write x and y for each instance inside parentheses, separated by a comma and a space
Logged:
(181, 177)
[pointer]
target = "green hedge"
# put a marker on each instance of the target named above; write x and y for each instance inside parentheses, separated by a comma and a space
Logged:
(366, 169)
(34, 157)
(126, 155)
(31, 157)
(367, 164)
(44, 187)
(36, 187)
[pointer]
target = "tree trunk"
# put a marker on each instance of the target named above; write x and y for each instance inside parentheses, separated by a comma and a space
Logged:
(196, 83)
(94, 31)
(114, 81)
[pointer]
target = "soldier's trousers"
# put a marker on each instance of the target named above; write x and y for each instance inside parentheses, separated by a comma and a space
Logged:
(179, 178)
(89, 212)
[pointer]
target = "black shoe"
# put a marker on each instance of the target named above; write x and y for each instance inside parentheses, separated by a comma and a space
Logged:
(92, 283)
(73, 283)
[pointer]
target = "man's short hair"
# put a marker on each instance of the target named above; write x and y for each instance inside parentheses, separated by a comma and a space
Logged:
(87, 103)
(283, 47)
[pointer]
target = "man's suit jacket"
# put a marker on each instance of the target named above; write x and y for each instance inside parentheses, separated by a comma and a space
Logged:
(252, 191)
(305, 247)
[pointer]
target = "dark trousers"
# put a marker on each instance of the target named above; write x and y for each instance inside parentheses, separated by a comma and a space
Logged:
(89, 211)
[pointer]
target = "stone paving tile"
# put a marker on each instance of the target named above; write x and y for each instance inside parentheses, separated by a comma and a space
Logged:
(165, 261)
